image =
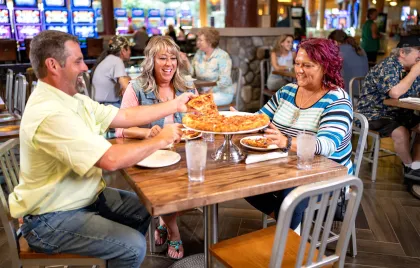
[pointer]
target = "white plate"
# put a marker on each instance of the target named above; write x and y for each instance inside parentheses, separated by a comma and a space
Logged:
(269, 148)
(228, 113)
(160, 158)
(198, 136)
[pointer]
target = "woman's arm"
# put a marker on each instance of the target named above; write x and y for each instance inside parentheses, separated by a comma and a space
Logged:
(334, 126)
(225, 68)
(374, 29)
(274, 64)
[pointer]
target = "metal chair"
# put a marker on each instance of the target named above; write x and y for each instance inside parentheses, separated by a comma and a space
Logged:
(265, 70)
(19, 251)
(373, 152)
(236, 76)
(297, 252)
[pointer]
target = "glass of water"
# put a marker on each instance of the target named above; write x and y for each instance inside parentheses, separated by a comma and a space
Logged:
(196, 152)
(306, 143)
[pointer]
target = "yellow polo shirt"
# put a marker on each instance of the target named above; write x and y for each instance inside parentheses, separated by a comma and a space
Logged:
(60, 142)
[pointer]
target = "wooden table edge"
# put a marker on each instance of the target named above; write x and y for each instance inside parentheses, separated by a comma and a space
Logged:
(181, 205)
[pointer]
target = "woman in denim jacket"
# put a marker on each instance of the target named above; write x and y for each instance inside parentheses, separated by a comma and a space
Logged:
(160, 81)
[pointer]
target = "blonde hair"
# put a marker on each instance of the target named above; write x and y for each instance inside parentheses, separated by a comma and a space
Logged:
(147, 78)
(277, 48)
(211, 34)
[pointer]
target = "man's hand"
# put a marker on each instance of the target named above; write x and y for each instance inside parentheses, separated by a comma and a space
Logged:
(416, 68)
(154, 131)
(182, 100)
(170, 133)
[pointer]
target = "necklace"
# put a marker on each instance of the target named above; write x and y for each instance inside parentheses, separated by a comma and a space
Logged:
(296, 114)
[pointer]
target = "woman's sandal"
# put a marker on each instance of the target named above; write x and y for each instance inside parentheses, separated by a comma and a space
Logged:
(175, 244)
(163, 233)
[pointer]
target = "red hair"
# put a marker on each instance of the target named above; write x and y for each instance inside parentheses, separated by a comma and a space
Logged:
(326, 53)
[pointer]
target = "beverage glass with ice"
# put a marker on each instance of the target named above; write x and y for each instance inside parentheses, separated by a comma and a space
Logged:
(196, 152)
(306, 143)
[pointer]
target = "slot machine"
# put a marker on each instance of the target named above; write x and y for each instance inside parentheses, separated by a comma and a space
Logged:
(27, 19)
(56, 16)
(154, 21)
(170, 17)
(298, 21)
(120, 15)
(185, 20)
(83, 20)
(137, 18)
(5, 22)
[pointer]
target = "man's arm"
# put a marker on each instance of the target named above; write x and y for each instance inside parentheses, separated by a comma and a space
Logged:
(120, 156)
(145, 114)
(374, 29)
(404, 85)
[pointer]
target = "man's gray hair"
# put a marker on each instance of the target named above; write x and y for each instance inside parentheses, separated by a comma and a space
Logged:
(48, 44)
(396, 51)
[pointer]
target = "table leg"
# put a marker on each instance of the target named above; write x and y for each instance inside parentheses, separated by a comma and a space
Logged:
(210, 231)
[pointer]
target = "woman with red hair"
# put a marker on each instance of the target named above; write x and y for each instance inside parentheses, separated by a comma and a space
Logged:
(317, 104)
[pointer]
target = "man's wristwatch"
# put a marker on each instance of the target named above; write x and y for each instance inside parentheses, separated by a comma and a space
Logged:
(288, 145)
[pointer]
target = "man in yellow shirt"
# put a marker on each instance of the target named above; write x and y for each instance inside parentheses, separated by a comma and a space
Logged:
(61, 196)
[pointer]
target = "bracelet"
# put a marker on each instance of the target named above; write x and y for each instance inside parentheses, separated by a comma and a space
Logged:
(288, 145)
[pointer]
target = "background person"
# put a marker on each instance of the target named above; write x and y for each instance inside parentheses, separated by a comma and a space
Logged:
(370, 35)
(211, 63)
(160, 81)
(140, 38)
(65, 204)
(109, 78)
(281, 59)
(317, 104)
(397, 76)
(355, 62)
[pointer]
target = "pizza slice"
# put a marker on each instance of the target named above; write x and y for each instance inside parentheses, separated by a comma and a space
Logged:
(204, 104)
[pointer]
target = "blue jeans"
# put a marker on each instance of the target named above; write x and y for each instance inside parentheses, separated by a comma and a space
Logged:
(112, 228)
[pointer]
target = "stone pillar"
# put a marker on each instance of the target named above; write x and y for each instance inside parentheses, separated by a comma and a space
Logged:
(108, 17)
(321, 14)
(364, 4)
(273, 13)
(203, 13)
(241, 13)
(380, 5)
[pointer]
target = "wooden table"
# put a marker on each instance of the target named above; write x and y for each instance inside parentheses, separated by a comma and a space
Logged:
(201, 83)
(401, 104)
(167, 189)
(2, 105)
(291, 74)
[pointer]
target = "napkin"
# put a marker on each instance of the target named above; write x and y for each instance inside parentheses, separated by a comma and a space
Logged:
(411, 100)
(254, 158)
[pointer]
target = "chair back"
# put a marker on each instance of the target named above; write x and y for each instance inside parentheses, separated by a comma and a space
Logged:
(236, 76)
(8, 50)
(9, 166)
(363, 133)
(355, 85)
(265, 70)
(312, 225)
(9, 91)
(95, 46)
(19, 97)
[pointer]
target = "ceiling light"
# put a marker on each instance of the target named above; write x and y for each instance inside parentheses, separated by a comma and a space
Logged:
(374, 2)
(393, 3)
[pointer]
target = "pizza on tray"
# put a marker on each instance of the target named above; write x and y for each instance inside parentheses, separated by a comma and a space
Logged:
(209, 119)
(259, 142)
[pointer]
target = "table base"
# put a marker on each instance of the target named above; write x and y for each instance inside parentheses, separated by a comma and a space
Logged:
(228, 152)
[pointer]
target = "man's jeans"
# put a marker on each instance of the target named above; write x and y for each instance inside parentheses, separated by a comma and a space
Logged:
(112, 228)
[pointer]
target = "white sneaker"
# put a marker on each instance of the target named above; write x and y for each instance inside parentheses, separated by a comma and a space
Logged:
(415, 165)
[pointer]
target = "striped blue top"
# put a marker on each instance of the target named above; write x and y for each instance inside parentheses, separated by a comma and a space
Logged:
(330, 119)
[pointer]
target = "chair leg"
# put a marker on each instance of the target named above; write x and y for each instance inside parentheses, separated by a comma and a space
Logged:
(353, 245)
(152, 228)
(375, 158)
(264, 221)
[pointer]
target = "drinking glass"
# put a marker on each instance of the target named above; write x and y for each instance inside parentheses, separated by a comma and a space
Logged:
(208, 137)
(306, 143)
(196, 152)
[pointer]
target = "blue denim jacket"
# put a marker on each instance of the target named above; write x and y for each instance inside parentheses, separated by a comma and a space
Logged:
(150, 98)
